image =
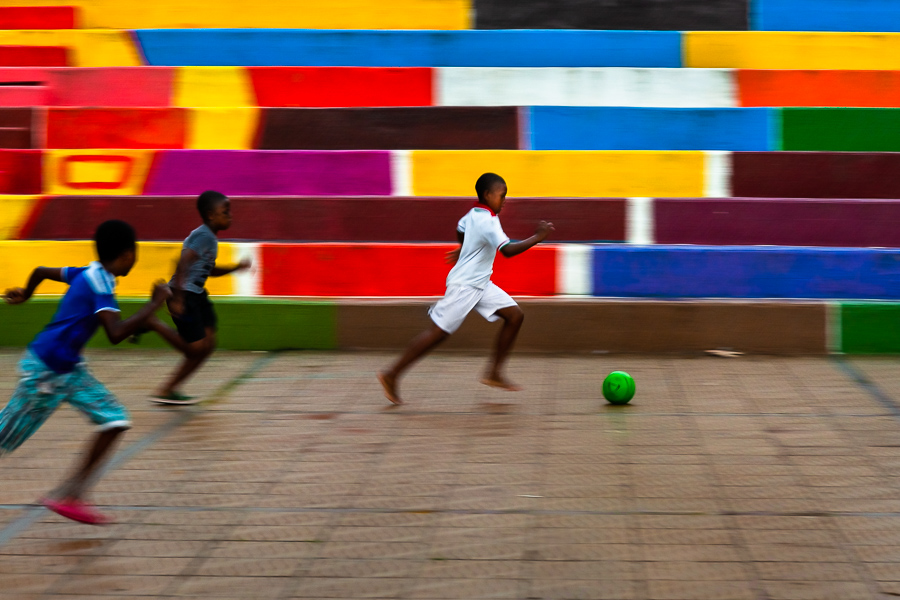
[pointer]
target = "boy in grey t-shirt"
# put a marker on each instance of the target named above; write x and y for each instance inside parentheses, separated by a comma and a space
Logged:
(191, 310)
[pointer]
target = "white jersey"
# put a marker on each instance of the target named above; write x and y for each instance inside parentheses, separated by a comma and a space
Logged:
(483, 237)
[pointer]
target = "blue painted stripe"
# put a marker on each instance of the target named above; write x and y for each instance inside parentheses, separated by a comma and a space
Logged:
(825, 15)
(365, 48)
(746, 272)
(624, 128)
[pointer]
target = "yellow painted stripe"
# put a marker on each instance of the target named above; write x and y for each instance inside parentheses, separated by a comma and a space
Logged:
(222, 128)
(156, 260)
(791, 50)
(316, 14)
(561, 173)
(225, 87)
(88, 48)
(96, 171)
(14, 211)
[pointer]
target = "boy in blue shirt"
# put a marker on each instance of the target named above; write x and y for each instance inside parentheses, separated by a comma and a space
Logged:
(54, 372)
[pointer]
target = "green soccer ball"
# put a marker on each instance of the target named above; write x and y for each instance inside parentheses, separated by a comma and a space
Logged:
(618, 387)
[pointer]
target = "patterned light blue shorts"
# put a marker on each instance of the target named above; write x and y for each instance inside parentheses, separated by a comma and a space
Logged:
(40, 392)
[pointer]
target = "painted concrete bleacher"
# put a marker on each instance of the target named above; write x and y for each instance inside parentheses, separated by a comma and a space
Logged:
(726, 149)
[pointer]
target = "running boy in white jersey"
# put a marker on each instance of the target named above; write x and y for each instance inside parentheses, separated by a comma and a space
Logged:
(469, 286)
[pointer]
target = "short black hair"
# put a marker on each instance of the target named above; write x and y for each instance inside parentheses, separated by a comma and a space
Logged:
(113, 238)
(485, 183)
(207, 201)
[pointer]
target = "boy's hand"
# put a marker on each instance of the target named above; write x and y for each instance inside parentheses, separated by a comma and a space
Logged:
(245, 263)
(161, 292)
(15, 295)
(451, 257)
(543, 230)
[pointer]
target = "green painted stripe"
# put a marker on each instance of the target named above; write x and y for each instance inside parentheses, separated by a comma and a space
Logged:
(244, 323)
(870, 327)
(841, 129)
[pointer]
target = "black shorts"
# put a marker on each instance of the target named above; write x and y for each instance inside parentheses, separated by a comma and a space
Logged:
(198, 316)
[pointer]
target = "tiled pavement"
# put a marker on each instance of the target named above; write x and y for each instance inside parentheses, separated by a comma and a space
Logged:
(756, 478)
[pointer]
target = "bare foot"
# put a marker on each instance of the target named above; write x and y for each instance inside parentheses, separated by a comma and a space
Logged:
(500, 382)
(389, 383)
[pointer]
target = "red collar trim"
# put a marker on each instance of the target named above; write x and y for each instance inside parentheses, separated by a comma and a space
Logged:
(485, 207)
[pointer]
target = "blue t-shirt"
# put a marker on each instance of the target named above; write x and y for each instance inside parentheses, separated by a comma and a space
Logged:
(91, 290)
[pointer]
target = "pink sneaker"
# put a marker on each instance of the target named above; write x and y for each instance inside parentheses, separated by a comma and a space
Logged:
(77, 511)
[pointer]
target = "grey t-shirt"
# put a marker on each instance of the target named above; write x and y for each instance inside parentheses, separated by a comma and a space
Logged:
(204, 242)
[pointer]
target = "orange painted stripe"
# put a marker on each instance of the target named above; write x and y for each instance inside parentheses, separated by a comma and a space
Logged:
(818, 88)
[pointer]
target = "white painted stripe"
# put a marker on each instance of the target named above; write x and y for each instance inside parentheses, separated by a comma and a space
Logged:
(574, 266)
(612, 86)
(401, 173)
(717, 174)
(249, 281)
(639, 221)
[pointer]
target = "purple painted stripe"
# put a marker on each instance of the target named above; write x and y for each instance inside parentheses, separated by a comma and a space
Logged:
(267, 172)
(778, 221)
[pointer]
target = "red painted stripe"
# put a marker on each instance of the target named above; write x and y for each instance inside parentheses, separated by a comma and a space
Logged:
(153, 128)
(33, 56)
(771, 87)
(111, 86)
(390, 270)
(20, 172)
(342, 86)
(37, 17)
(37, 210)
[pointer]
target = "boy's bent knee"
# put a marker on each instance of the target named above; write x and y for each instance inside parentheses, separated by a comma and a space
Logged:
(513, 315)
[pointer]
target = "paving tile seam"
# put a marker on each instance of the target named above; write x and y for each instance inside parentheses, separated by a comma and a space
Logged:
(484, 512)
(33, 513)
(869, 386)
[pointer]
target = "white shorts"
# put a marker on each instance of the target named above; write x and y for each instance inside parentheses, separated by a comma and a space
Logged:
(451, 310)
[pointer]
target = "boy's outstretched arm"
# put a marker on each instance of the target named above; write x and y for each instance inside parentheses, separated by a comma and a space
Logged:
(118, 330)
(219, 271)
(20, 295)
(540, 234)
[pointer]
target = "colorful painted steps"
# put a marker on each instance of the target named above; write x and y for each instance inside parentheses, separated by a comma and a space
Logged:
(337, 87)
(517, 48)
(455, 128)
(434, 173)
(418, 269)
(374, 48)
(320, 219)
(827, 222)
(337, 14)
(717, 15)
(553, 325)
(510, 48)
